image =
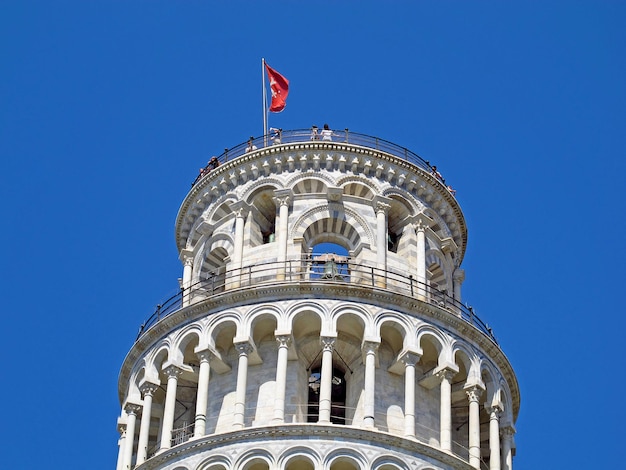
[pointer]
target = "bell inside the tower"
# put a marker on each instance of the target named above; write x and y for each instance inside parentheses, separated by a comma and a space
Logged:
(338, 396)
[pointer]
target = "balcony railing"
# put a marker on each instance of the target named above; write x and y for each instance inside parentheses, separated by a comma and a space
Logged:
(309, 270)
(306, 135)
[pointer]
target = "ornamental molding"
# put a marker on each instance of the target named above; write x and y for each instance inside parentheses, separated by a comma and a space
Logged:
(304, 221)
(326, 440)
(279, 292)
(263, 165)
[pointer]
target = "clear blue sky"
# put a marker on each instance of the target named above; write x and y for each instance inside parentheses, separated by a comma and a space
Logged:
(108, 109)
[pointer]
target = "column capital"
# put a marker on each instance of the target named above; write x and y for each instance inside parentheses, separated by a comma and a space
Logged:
(172, 370)
(328, 342)
(421, 222)
(380, 206)
(507, 431)
(284, 341)
(473, 393)
(282, 197)
(458, 275)
(370, 346)
(186, 256)
(493, 410)
(240, 208)
(148, 388)
(121, 425)
(204, 355)
(244, 348)
(132, 408)
(409, 358)
(445, 374)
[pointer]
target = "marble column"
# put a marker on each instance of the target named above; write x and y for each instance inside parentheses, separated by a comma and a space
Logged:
(494, 437)
(243, 349)
(282, 202)
(131, 419)
(369, 348)
(240, 220)
(121, 427)
(199, 428)
(473, 395)
(381, 242)
(187, 270)
(445, 409)
(507, 447)
(328, 344)
(421, 261)
(281, 378)
(409, 360)
(172, 373)
(147, 389)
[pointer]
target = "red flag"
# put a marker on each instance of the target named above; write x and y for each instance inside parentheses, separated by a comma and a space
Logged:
(280, 89)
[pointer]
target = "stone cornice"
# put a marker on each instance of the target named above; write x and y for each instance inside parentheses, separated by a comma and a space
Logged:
(263, 163)
(310, 433)
(280, 291)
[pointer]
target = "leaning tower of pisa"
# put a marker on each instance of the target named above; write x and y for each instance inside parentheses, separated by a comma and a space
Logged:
(319, 322)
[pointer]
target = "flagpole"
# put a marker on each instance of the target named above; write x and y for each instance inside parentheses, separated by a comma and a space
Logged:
(264, 101)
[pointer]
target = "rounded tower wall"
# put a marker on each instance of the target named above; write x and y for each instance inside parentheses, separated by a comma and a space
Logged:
(366, 337)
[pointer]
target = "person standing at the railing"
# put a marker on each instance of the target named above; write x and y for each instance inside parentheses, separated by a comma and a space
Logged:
(326, 133)
(436, 174)
(314, 134)
(277, 135)
(213, 164)
(251, 145)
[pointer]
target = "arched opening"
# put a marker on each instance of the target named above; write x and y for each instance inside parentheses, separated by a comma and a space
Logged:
(397, 219)
(338, 396)
(300, 464)
(261, 223)
(213, 270)
(330, 261)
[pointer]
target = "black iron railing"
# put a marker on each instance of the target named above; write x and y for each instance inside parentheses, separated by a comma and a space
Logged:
(308, 270)
(306, 135)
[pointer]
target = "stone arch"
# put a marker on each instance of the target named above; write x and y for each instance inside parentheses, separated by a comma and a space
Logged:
(260, 226)
(310, 184)
(358, 189)
(258, 459)
(346, 181)
(491, 379)
(267, 182)
(362, 323)
(189, 334)
(261, 314)
(438, 225)
(221, 210)
(388, 462)
(395, 329)
(308, 317)
(462, 357)
(339, 223)
(155, 360)
(223, 330)
(439, 275)
(507, 402)
(217, 462)
(430, 340)
(211, 259)
(345, 459)
(399, 216)
(299, 458)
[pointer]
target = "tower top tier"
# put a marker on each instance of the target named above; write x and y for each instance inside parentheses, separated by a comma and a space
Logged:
(301, 164)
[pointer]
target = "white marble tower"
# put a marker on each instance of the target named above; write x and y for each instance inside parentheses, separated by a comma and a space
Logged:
(320, 323)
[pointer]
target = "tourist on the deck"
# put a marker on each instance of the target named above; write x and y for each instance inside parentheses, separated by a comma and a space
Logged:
(251, 145)
(326, 133)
